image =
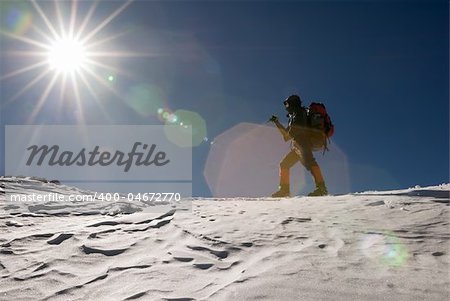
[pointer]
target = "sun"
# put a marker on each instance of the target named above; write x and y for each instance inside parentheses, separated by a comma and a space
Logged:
(67, 55)
(65, 51)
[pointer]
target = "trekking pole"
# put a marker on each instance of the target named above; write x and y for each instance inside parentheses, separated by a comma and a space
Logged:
(272, 119)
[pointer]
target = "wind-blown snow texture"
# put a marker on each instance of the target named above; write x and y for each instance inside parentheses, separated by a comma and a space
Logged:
(369, 246)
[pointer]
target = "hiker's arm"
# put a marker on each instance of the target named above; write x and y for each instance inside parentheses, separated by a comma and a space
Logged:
(284, 132)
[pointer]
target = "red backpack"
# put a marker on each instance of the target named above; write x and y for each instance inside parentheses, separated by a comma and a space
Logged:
(318, 118)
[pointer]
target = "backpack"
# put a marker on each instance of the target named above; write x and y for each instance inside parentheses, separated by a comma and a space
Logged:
(318, 118)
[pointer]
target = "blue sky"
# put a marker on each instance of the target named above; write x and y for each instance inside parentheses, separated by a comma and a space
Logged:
(381, 67)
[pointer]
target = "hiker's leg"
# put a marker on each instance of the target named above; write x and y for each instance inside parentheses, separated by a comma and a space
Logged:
(286, 163)
(310, 163)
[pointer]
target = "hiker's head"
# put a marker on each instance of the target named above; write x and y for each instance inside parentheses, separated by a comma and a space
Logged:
(292, 103)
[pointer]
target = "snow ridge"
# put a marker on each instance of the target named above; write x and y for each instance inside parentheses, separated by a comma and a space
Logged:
(361, 246)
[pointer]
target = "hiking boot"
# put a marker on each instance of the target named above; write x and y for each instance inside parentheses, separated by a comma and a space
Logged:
(321, 190)
(283, 192)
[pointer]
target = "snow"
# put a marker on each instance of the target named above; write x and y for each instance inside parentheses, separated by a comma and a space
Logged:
(376, 245)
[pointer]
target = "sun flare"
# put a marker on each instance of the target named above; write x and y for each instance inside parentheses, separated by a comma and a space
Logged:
(67, 55)
(66, 51)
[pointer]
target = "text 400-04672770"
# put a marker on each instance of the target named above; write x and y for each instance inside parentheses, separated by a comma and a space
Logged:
(155, 196)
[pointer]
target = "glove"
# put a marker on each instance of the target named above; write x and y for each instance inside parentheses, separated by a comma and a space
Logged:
(273, 118)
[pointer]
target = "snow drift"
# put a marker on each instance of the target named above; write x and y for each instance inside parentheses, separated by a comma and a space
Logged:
(365, 246)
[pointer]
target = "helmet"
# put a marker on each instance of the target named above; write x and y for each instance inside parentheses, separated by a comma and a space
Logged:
(292, 103)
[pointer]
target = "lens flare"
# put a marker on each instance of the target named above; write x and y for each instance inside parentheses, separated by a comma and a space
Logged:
(163, 114)
(191, 130)
(385, 248)
(146, 99)
(195, 121)
(243, 161)
(172, 118)
(17, 19)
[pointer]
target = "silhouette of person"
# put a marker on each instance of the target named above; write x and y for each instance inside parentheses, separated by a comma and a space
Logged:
(305, 140)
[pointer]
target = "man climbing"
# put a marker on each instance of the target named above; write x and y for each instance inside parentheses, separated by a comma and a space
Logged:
(306, 139)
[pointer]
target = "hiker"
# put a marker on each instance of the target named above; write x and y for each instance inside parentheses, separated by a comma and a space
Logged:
(306, 138)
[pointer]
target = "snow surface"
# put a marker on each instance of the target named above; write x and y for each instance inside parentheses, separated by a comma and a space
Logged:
(391, 245)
